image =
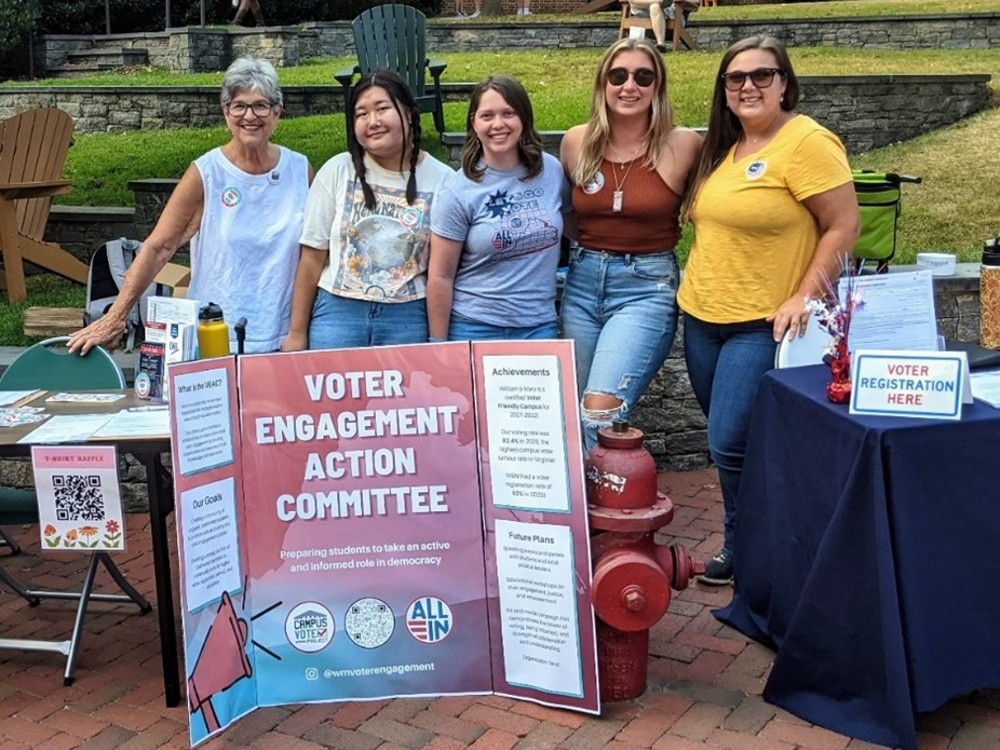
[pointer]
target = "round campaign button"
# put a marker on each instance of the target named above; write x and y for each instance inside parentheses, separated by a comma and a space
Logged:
(142, 385)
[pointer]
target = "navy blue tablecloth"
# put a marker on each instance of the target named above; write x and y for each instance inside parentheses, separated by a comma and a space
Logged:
(868, 555)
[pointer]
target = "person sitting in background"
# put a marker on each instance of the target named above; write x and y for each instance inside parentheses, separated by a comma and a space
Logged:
(655, 12)
(477, 6)
(252, 5)
(241, 207)
(497, 225)
(363, 274)
(775, 216)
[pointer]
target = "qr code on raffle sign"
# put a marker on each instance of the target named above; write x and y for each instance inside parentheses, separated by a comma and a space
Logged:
(78, 498)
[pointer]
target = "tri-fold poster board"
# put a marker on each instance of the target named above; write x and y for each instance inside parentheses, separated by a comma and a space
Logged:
(384, 522)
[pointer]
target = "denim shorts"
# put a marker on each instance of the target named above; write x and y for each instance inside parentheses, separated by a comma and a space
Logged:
(462, 328)
(343, 323)
(621, 312)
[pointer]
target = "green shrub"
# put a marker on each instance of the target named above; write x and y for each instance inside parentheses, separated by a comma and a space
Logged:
(17, 20)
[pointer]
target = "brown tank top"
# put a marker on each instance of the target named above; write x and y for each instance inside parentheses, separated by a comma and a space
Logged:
(648, 220)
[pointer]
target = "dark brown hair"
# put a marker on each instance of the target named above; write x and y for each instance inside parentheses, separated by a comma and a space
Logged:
(724, 128)
(529, 146)
(403, 101)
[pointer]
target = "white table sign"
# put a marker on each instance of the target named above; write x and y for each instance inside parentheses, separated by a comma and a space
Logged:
(909, 383)
(79, 499)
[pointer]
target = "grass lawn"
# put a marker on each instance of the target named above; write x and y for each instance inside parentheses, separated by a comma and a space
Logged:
(951, 211)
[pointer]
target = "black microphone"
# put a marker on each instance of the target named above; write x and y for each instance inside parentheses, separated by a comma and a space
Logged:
(275, 176)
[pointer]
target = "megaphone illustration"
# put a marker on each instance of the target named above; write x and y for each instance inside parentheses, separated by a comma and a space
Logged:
(222, 662)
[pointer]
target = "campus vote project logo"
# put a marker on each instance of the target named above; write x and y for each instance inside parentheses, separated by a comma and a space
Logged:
(309, 627)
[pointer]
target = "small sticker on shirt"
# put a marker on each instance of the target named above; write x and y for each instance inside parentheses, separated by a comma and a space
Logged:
(756, 170)
(411, 217)
(231, 197)
(594, 185)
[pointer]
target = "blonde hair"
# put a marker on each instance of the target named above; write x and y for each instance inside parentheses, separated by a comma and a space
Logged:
(598, 130)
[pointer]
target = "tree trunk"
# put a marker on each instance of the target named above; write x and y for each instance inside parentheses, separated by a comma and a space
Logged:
(492, 8)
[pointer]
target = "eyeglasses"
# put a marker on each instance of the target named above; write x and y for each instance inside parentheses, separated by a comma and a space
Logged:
(761, 78)
(238, 109)
(643, 77)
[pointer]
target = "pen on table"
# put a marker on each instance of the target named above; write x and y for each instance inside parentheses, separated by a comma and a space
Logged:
(161, 407)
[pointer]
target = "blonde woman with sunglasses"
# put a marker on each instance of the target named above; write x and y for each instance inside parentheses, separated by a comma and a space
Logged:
(629, 167)
(775, 215)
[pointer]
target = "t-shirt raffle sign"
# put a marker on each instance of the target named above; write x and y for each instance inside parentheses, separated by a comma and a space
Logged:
(79, 500)
(337, 552)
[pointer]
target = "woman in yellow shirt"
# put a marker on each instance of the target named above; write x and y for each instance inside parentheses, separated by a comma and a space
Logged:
(774, 212)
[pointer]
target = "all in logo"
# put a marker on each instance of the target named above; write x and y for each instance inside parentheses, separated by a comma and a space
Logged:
(756, 170)
(429, 619)
(411, 217)
(231, 196)
(503, 240)
(309, 627)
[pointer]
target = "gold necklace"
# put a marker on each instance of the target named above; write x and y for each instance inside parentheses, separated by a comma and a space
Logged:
(618, 197)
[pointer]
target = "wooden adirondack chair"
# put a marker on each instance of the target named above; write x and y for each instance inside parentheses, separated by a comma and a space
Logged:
(393, 37)
(33, 147)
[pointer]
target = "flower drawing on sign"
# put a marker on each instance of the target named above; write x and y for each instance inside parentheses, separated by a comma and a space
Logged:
(52, 539)
(71, 537)
(833, 313)
(89, 532)
(112, 533)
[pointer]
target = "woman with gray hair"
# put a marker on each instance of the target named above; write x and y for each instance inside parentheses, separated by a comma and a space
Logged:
(241, 207)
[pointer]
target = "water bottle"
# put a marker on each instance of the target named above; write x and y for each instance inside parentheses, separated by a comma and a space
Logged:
(989, 295)
(213, 332)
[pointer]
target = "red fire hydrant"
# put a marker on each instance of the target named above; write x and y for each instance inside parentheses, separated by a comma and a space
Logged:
(633, 576)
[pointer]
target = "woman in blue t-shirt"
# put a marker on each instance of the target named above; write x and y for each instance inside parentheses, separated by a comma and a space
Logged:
(496, 226)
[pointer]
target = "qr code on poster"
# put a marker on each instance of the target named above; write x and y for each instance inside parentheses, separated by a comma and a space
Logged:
(78, 498)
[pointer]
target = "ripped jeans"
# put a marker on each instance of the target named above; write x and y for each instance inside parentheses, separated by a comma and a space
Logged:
(621, 312)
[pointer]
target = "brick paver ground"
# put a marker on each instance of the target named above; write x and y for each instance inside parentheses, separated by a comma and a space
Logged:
(705, 681)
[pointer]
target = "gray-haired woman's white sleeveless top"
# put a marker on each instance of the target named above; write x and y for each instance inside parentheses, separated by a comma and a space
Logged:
(246, 250)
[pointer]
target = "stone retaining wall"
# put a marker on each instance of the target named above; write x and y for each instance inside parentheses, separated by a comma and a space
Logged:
(866, 111)
(195, 49)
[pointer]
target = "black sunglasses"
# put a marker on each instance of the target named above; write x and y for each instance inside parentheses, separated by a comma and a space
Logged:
(643, 77)
(761, 78)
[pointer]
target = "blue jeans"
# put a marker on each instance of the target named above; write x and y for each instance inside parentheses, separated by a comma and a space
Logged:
(725, 362)
(461, 328)
(342, 323)
(621, 312)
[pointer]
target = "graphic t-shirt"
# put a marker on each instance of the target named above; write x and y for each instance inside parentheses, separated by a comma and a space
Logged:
(379, 254)
(511, 230)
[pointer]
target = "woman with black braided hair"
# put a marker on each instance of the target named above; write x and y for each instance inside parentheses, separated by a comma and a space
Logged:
(362, 274)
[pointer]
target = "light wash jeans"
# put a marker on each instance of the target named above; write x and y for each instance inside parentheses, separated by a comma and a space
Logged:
(461, 328)
(342, 323)
(725, 362)
(621, 312)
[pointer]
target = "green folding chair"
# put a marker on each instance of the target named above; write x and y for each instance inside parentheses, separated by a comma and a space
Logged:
(50, 366)
(393, 37)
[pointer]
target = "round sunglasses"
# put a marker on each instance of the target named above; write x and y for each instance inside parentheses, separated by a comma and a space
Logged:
(761, 78)
(643, 77)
